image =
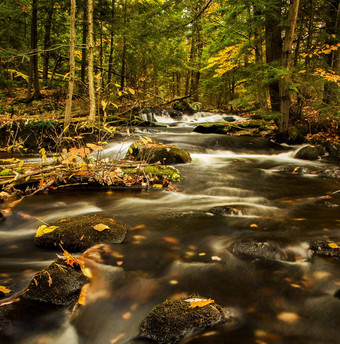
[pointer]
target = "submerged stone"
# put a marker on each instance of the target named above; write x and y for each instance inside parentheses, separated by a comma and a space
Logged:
(58, 284)
(155, 152)
(171, 321)
(81, 232)
(326, 248)
(256, 250)
(225, 210)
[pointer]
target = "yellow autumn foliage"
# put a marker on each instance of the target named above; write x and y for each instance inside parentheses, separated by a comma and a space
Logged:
(43, 229)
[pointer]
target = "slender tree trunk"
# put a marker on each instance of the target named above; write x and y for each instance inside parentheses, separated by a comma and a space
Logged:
(286, 58)
(34, 73)
(92, 114)
(274, 51)
(84, 50)
(68, 112)
(109, 74)
(122, 79)
(47, 39)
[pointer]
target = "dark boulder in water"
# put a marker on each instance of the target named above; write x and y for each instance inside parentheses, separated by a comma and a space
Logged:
(251, 249)
(171, 321)
(326, 248)
(58, 284)
(310, 152)
(81, 232)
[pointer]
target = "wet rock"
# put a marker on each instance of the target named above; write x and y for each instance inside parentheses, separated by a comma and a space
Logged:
(171, 321)
(229, 118)
(155, 152)
(225, 211)
(333, 148)
(310, 152)
(217, 128)
(326, 248)
(181, 105)
(259, 250)
(337, 294)
(58, 284)
(141, 340)
(80, 232)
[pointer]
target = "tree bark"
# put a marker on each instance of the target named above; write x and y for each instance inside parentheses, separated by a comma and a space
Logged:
(47, 39)
(274, 51)
(68, 112)
(92, 114)
(34, 73)
(122, 79)
(286, 58)
(84, 50)
(109, 74)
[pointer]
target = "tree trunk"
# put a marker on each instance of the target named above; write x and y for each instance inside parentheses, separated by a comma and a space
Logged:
(34, 73)
(47, 40)
(92, 114)
(109, 74)
(68, 112)
(84, 50)
(274, 51)
(122, 79)
(286, 58)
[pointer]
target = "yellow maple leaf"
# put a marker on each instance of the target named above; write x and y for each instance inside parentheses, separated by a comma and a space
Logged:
(43, 229)
(100, 227)
(4, 290)
(333, 245)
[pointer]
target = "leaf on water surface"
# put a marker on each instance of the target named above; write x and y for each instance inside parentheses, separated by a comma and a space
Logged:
(195, 302)
(216, 258)
(254, 225)
(157, 186)
(142, 226)
(83, 293)
(126, 315)
(333, 245)
(171, 240)
(288, 317)
(100, 227)
(43, 229)
(4, 290)
(116, 339)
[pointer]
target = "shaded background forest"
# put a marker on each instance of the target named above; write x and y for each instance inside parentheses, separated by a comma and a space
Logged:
(224, 54)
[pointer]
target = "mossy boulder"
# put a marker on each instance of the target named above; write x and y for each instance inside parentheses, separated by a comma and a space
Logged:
(155, 173)
(310, 152)
(225, 211)
(181, 105)
(58, 284)
(217, 128)
(333, 149)
(171, 321)
(326, 248)
(80, 232)
(155, 152)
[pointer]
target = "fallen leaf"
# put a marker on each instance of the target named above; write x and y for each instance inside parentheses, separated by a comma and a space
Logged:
(157, 186)
(199, 302)
(216, 258)
(333, 245)
(83, 293)
(137, 227)
(288, 317)
(126, 315)
(100, 227)
(253, 225)
(43, 229)
(116, 339)
(172, 240)
(4, 290)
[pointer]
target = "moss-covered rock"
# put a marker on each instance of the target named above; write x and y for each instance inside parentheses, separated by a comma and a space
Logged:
(333, 148)
(326, 248)
(80, 232)
(225, 210)
(217, 128)
(156, 172)
(310, 152)
(171, 321)
(155, 152)
(58, 284)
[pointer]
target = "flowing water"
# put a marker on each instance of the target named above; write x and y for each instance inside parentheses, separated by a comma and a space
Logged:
(176, 247)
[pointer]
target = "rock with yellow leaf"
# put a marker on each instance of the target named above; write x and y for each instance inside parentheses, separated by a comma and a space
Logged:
(327, 248)
(59, 283)
(171, 321)
(78, 233)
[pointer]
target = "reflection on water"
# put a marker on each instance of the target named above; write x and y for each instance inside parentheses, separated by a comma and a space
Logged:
(176, 247)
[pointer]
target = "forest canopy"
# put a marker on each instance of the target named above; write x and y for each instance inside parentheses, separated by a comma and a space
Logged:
(276, 57)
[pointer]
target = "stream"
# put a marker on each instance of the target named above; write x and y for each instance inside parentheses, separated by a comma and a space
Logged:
(176, 247)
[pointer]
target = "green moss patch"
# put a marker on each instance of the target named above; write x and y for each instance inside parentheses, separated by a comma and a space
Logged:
(158, 172)
(80, 232)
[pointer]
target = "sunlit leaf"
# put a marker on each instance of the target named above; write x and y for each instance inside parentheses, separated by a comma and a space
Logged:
(253, 225)
(333, 245)
(43, 229)
(100, 227)
(195, 302)
(171, 240)
(4, 290)
(288, 317)
(83, 293)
